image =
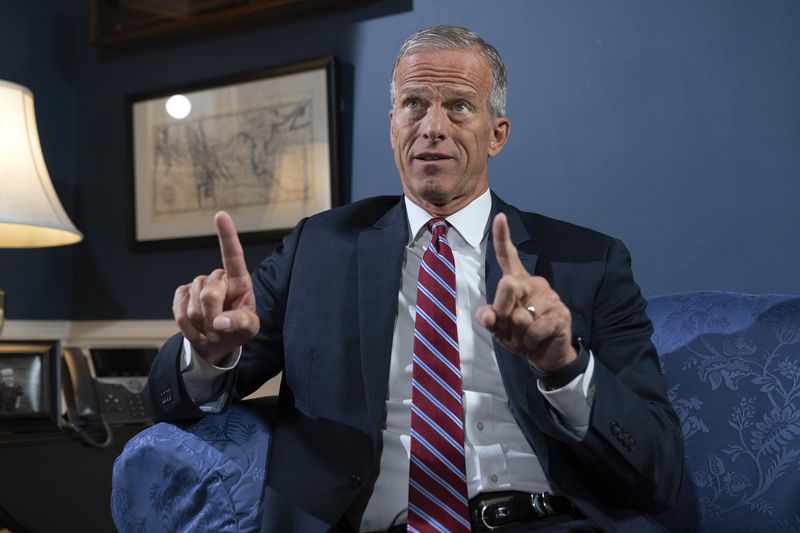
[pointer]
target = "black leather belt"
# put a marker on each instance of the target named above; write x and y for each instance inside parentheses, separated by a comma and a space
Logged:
(491, 511)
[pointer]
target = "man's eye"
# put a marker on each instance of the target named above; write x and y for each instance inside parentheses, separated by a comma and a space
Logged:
(413, 104)
(460, 107)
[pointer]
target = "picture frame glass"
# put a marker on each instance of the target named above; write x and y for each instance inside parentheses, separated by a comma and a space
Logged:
(259, 148)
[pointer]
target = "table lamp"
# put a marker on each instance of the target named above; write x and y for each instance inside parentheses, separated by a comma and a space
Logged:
(31, 216)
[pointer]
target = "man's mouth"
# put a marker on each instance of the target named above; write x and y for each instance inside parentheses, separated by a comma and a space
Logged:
(431, 157)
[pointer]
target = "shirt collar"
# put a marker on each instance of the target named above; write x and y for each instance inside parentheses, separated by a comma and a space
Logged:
(471, 221)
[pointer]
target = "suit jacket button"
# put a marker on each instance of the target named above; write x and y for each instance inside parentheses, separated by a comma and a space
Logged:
(354, 481)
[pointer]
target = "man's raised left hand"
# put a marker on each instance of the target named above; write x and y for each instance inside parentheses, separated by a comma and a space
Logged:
(544, 336)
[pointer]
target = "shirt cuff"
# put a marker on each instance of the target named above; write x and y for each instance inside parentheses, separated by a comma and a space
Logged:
(573, 402)
(205, 382)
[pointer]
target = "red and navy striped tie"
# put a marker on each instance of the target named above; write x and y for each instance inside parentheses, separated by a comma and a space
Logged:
(437, 492)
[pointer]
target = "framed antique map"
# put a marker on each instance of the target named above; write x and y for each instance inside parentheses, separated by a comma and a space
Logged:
(260, 146)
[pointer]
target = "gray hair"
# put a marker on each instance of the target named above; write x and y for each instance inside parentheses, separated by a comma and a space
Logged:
(455, 37)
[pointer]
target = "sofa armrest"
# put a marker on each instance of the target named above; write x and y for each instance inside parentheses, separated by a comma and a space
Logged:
(204, 476)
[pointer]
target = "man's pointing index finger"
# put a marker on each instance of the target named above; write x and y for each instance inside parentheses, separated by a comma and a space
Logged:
(504, 249)
(229, 246)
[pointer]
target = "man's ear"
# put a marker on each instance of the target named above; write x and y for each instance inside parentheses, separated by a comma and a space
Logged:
(499, 135)
(391, 127)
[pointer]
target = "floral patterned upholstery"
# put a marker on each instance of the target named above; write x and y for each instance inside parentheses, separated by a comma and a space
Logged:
(207, 476)
(732, 365)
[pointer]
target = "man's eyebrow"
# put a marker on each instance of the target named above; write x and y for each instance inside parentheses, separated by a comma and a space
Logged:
(447, 93)
(460, 94)
(415, 89)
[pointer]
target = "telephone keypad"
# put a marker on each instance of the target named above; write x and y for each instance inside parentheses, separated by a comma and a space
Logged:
(136, 406)
(121, 405)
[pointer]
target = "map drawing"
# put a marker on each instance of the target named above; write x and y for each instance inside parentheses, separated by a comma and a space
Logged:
(255, 157)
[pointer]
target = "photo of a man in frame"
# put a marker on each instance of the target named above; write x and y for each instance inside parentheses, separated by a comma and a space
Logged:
(20, 385)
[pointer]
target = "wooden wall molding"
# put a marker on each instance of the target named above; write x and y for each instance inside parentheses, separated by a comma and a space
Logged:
(91, 332)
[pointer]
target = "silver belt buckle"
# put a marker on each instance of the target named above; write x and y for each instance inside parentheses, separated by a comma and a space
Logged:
(484, 521)
(541, 504)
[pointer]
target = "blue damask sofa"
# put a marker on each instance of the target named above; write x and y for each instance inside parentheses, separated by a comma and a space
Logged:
(732, 364)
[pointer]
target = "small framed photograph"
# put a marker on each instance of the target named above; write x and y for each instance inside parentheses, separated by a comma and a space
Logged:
(261, 146)
(29, 386)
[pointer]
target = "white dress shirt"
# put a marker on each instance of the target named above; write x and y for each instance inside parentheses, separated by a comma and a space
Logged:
(498, 457)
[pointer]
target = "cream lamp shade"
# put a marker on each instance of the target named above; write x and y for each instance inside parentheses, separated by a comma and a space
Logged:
(31, 216)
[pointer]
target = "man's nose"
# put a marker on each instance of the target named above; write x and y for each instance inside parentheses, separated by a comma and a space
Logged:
(435, 125)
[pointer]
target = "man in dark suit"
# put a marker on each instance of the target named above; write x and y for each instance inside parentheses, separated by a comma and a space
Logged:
(566, 424)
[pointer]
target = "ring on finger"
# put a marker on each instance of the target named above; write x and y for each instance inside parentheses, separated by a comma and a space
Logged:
(532, 310)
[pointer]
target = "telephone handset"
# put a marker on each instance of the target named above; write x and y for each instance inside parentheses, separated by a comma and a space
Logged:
(105, 386)
(80, 398)
(77, 384)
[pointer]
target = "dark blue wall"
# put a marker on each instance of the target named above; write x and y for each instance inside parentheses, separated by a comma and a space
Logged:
(37, 42)
(672, 125)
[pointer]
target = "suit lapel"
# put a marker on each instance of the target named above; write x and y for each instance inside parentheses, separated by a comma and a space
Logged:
(380, 261)
(529, 255)
(514, 369)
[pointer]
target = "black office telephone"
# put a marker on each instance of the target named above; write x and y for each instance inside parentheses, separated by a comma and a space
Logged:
(104, 386)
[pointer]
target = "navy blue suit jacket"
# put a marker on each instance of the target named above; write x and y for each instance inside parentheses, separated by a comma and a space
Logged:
(327, 300)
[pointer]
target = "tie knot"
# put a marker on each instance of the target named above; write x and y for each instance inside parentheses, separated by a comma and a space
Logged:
(438, 226)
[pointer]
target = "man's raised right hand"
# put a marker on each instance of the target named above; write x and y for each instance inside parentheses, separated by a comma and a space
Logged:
(217, 313)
